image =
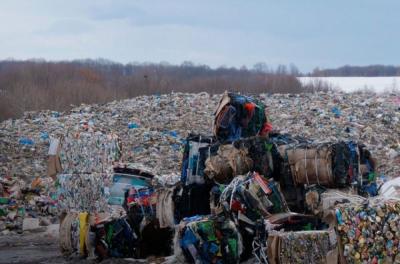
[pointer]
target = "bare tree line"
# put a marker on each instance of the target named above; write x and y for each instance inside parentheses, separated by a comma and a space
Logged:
(36, 85)
(348, 70)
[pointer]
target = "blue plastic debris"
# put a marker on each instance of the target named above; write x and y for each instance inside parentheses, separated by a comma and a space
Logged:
(44, 135)
(173, 133)
(370, 189)
(26, 141)
(132, 125)
(336, 111)
(339, 217)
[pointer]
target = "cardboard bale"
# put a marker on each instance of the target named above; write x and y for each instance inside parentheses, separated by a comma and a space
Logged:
(311, 166)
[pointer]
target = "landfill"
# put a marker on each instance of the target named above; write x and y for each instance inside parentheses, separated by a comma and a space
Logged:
(152, 128)
(26, 207)
(265, 174)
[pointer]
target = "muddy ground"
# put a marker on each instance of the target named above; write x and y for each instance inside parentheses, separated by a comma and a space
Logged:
(43, 247)
(31, 247)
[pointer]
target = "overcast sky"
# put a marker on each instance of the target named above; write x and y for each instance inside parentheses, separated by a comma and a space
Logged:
(308, 33)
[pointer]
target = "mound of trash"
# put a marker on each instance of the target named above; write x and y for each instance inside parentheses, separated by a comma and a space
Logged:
(151, 128)
(154, 131)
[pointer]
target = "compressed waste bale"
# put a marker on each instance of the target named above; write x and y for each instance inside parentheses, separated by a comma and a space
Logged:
(297, 159)
(251, 197)
(240, 157)
(66, 245)
(150, 215)
(311, 165)
(369, 232)
(89, 153)
(239, 116)
(345, 163)
(329, 164)
(227, 163)
(281, 169)
(218, 169)
(314, 247)
(132, 233)
(83, 192)
(74, 234)
(208, 239)
(197, 149)
(87, 160)
(259, 150)
(191, 197)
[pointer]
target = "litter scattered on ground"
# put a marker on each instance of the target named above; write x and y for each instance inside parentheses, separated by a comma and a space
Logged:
(26, 207)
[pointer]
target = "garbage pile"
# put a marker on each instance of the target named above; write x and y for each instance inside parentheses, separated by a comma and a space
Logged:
(272, 186)
(265, 195)
(361, 117)
(246, 181)
(24, 146)
(134, 233)
(86, 167)
(152, 128)
(25, 207)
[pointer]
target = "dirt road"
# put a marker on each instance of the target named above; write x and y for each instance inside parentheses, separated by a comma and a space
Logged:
(31, 247)
(43, 248)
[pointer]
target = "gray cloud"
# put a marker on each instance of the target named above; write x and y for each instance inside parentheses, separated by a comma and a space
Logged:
(68, 27)
(308, 33)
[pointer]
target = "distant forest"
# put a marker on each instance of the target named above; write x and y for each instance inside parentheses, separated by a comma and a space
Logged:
(367, 71)
(35, 84)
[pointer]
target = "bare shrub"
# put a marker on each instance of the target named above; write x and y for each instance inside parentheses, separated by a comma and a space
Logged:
(35, 85)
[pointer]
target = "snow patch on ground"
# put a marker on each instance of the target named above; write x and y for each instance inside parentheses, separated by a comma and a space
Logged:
(352, 84)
